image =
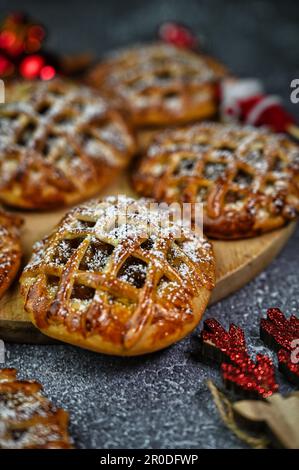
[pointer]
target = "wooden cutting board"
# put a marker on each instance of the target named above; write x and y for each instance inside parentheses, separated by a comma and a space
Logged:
(237, 263)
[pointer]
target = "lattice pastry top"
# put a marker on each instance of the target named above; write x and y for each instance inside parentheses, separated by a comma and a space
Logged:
(113, 280)
(159, 83)
(10, 249)
(247, 179)
(60, 143)
(28, 420)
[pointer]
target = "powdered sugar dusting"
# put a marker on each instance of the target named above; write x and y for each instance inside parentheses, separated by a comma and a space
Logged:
(60, 131)
(235, 171)
(27, 417)
(120, 253)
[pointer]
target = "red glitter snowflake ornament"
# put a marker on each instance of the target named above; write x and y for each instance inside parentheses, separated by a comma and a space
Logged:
(277, 331)
(178, 35)
(288, 364)
(282, 335)
(239, 371)
(217, 344)
(254, 379)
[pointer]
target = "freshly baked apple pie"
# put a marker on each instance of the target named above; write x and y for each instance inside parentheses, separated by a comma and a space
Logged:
(246, 178)
(116, 281)
(59, 143)
(159, 84)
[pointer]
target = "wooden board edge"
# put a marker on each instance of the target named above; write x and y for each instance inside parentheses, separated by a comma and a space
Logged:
(244, 274)
(22, 332)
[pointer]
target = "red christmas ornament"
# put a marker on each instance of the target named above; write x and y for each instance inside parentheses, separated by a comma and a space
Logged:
(239, 100)
(278, 332)
(245, 101)
(20, 40)
(35, 66)
(282, 335)
(266, 111)
(254, 379)
(20, 35)
(239, 371)
(31, 66)
(6, 66)
(217, 344)
(177, 35)
(7, 39)
(288, 367)
(47, 72)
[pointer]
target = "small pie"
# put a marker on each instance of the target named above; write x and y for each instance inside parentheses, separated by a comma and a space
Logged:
(59, 143)
(28, 420)
(159, 84)
(10, 249)
(247, 179)
(113, 279)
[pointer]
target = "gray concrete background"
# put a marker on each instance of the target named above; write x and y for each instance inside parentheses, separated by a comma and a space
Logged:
(161, 400)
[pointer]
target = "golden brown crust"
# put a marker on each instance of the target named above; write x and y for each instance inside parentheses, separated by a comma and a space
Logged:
(247, 179)
(59, 143)
(28, 419)
(127, 289)
(10, 249)
(159, 84)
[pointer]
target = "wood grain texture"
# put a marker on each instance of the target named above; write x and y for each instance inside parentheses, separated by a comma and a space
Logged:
(237, 263)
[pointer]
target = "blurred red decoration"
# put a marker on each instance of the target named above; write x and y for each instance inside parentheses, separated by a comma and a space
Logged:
(31, 66)
(21, 53)
(6, 66)
(20, 34)
(282, 335)
(178, 35)
(265, 110)
(239, 371)
(47, 72)
(244, 100)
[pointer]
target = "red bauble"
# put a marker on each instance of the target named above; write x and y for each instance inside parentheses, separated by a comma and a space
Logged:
(20, 38)
(31, 66)
(178, 35)
(47, 72)
(35, 66)
(6, 66)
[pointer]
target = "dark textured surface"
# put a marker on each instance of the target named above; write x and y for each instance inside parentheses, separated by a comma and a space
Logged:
(162, 400)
